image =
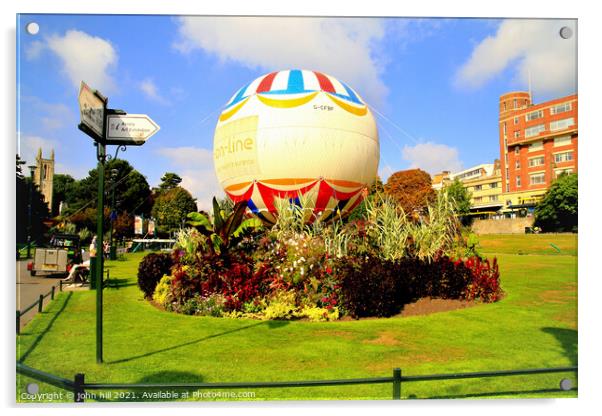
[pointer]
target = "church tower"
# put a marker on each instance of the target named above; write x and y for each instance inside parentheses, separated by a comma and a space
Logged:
(44, 176)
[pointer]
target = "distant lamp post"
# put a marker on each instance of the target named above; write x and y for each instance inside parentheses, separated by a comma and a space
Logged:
(32, 169)
(113, 215)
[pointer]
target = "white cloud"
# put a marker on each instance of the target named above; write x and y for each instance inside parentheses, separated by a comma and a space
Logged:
(195, 166)
(51, 116)
(432, 157)
(151, 91)
(85, 58)
(527, 46)
(344, 48)
(34, 50)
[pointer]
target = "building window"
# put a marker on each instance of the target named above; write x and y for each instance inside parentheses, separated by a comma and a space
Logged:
(562, 141)
(517, 150)
(478, 187)
(478, 198)
(563, 157)
(517, 134)
(537, 178)
(493, 185)
(534, 115)
(536, 161)
(507, 187)
(536, 146)
(517, 164)
(562, 124)
(507, 173)
(515, 103)
(493, 198)
(504, 105)
(535, 130)
(504, 127)
(518, 181)
(560, 108)
(559, 172)
(515, 120)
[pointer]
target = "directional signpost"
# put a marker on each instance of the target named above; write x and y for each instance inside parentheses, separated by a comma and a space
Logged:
(107, 126)
(133, 129)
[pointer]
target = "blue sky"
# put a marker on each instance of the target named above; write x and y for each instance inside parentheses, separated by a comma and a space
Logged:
(433, 83)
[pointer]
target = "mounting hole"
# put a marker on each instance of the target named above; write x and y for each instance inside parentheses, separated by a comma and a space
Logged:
(32, 388)
(565, 384)
(566, 32)
(32, 28)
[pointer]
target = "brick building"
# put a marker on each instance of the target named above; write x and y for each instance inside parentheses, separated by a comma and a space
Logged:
(537, 143)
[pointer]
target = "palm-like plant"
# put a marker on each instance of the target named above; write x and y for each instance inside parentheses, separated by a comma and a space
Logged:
(224, 232)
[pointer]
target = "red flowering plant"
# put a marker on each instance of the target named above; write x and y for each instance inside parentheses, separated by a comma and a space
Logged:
(485, 284)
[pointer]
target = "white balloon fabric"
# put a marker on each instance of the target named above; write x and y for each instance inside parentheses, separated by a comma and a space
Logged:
(297, 135)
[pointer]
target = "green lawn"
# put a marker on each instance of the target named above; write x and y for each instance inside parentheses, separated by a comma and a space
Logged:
(535, 325)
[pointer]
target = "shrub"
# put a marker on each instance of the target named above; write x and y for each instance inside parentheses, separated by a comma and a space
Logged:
(316, 314)
(370, 287)
(281, 306)
(485, 284)
(163, 290)
(152, 267)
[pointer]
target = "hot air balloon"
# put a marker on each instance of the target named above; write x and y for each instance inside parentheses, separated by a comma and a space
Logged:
(296, 135)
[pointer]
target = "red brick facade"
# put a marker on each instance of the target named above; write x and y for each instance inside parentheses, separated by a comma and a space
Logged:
(537, 142)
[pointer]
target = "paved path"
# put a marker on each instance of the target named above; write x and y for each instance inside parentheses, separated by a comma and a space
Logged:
(29, 289)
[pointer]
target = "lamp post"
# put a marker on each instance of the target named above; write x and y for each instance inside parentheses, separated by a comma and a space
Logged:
(112, 215)
(30, 210)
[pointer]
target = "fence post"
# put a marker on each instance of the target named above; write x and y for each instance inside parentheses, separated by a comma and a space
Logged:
(18, 322)
(60, 285)
(41, 303)
(78, 388)
(52, 293)
(397, 384)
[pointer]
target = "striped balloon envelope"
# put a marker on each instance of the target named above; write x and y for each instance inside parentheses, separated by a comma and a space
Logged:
(299, 136)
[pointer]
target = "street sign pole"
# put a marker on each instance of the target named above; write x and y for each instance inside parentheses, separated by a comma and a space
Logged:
(101, 153)
(121, 130)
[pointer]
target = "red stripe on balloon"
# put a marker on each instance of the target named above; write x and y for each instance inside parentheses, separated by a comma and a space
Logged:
(266, 83)
(325, 84)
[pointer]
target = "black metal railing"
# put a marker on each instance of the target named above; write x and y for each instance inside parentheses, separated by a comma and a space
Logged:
(78, 386)
(40, 301)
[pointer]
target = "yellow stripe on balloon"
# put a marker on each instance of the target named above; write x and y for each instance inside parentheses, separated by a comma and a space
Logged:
(295, 102)
(361, 111)
(227, 114)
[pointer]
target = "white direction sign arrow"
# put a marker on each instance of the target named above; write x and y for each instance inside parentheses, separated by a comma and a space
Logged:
(130, 129)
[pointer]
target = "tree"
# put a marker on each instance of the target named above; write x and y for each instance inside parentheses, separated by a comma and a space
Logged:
(169, 181)
(39, 209)
(62, 185)
(132, 192)
(557, 211)
(460, 195)
(171, 207)
(411, 189)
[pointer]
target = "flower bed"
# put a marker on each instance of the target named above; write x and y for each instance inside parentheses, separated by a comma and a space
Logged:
(320, 272)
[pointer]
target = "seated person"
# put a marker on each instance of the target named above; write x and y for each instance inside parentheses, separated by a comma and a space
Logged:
(77, 272)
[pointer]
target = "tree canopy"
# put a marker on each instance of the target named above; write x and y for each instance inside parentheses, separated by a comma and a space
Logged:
(460, 195)
(169, 181)
(411, 189)
(132, 192)
(171, 207)
(557, 211)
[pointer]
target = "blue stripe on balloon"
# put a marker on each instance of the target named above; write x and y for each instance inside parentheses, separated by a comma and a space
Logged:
(352, 95)
(341, 204)
(295, 82)
(239, 95)
(252, 206)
